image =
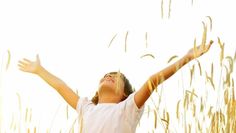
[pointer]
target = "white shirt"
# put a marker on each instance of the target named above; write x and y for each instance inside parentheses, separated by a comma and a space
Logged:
(108, 117)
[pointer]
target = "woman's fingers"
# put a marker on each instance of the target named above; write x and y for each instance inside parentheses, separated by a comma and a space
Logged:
(22, 67)
(23, 63)
(26, 60)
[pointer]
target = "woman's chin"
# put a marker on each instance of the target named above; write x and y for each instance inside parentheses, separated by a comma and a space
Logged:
(107, 85)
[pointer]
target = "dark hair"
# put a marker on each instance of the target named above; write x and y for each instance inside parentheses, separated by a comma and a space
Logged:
(127, 89)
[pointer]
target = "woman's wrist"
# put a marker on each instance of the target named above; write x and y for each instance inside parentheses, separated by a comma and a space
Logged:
(189, 57)
(39, 70)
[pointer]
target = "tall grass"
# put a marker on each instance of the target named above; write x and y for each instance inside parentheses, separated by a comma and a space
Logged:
(193, 111)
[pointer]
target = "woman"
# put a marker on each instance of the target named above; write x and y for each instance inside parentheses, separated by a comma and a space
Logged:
(115, 108)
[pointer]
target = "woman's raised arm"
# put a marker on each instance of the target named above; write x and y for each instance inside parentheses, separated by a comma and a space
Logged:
(146, 90)
(36, 68)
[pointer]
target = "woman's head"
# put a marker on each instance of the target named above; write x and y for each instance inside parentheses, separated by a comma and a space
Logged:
(114, 83)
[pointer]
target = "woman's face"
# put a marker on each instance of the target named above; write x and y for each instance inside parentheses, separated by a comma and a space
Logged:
(113, 82)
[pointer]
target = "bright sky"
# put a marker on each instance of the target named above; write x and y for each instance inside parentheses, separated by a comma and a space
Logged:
(72, 39)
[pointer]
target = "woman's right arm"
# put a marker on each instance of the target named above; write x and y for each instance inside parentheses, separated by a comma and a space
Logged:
(61, 87)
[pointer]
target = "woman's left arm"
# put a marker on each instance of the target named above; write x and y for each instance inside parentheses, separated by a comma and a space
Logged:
(153, 81)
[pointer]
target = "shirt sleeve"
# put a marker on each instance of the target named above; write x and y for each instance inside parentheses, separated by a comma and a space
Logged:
(83, 105)
(131, 111)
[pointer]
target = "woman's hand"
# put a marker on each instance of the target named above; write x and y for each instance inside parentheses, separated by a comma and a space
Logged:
(199, 50)
(30, 66)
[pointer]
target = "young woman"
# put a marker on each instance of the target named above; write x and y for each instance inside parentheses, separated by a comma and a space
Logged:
(115, 108)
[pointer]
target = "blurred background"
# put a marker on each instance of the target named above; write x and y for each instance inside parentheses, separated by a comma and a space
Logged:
(80, 41)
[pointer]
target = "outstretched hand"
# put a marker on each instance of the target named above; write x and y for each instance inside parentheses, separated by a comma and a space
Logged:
(199, 50)
(30, 66)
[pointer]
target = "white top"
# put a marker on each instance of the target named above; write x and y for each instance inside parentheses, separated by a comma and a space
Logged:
(108, 117)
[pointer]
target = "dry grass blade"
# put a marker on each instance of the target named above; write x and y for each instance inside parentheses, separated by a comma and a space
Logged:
(201, 106)
(226, 96)
(235, 56)
(191, 74)
(8, 59)
(222, 50)
(177, 110)
(155, 119)
(167, 117)
(212, 70)
(210, 112)
(230, 60)
(164, 120)
(162, 10)
(81, 122)
(204, 35)
(199, 66)
(227, 75)
(26, 115)
(126, 37)
(169, 9)
(186, 101)
(171, 58)
(112, 40)
(148, 55)
(199, 126)
(189, 128)
(233, 95)
(19, 100)
(195, 47)
(193, 94)
(146, 38)
(30, 116)
(210, 22)
(12, 121)
(67, 112)
(211, 80)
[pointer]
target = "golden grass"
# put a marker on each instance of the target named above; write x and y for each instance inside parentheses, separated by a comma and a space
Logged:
(235, 56)
(126, 37)
(172, 58)
(177, 109)
(204, 35)
(146, 38)
(8, 59)
(222, 50)
(195, 47)
(155, 119)
(192, 110)
(191, 74)
(169, 11)
(210, 19)
(148, 55)
(199, 66)
(112, 40)
(162, 9)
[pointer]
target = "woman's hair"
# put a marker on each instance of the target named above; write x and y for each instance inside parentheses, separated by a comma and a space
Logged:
(127, 89)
